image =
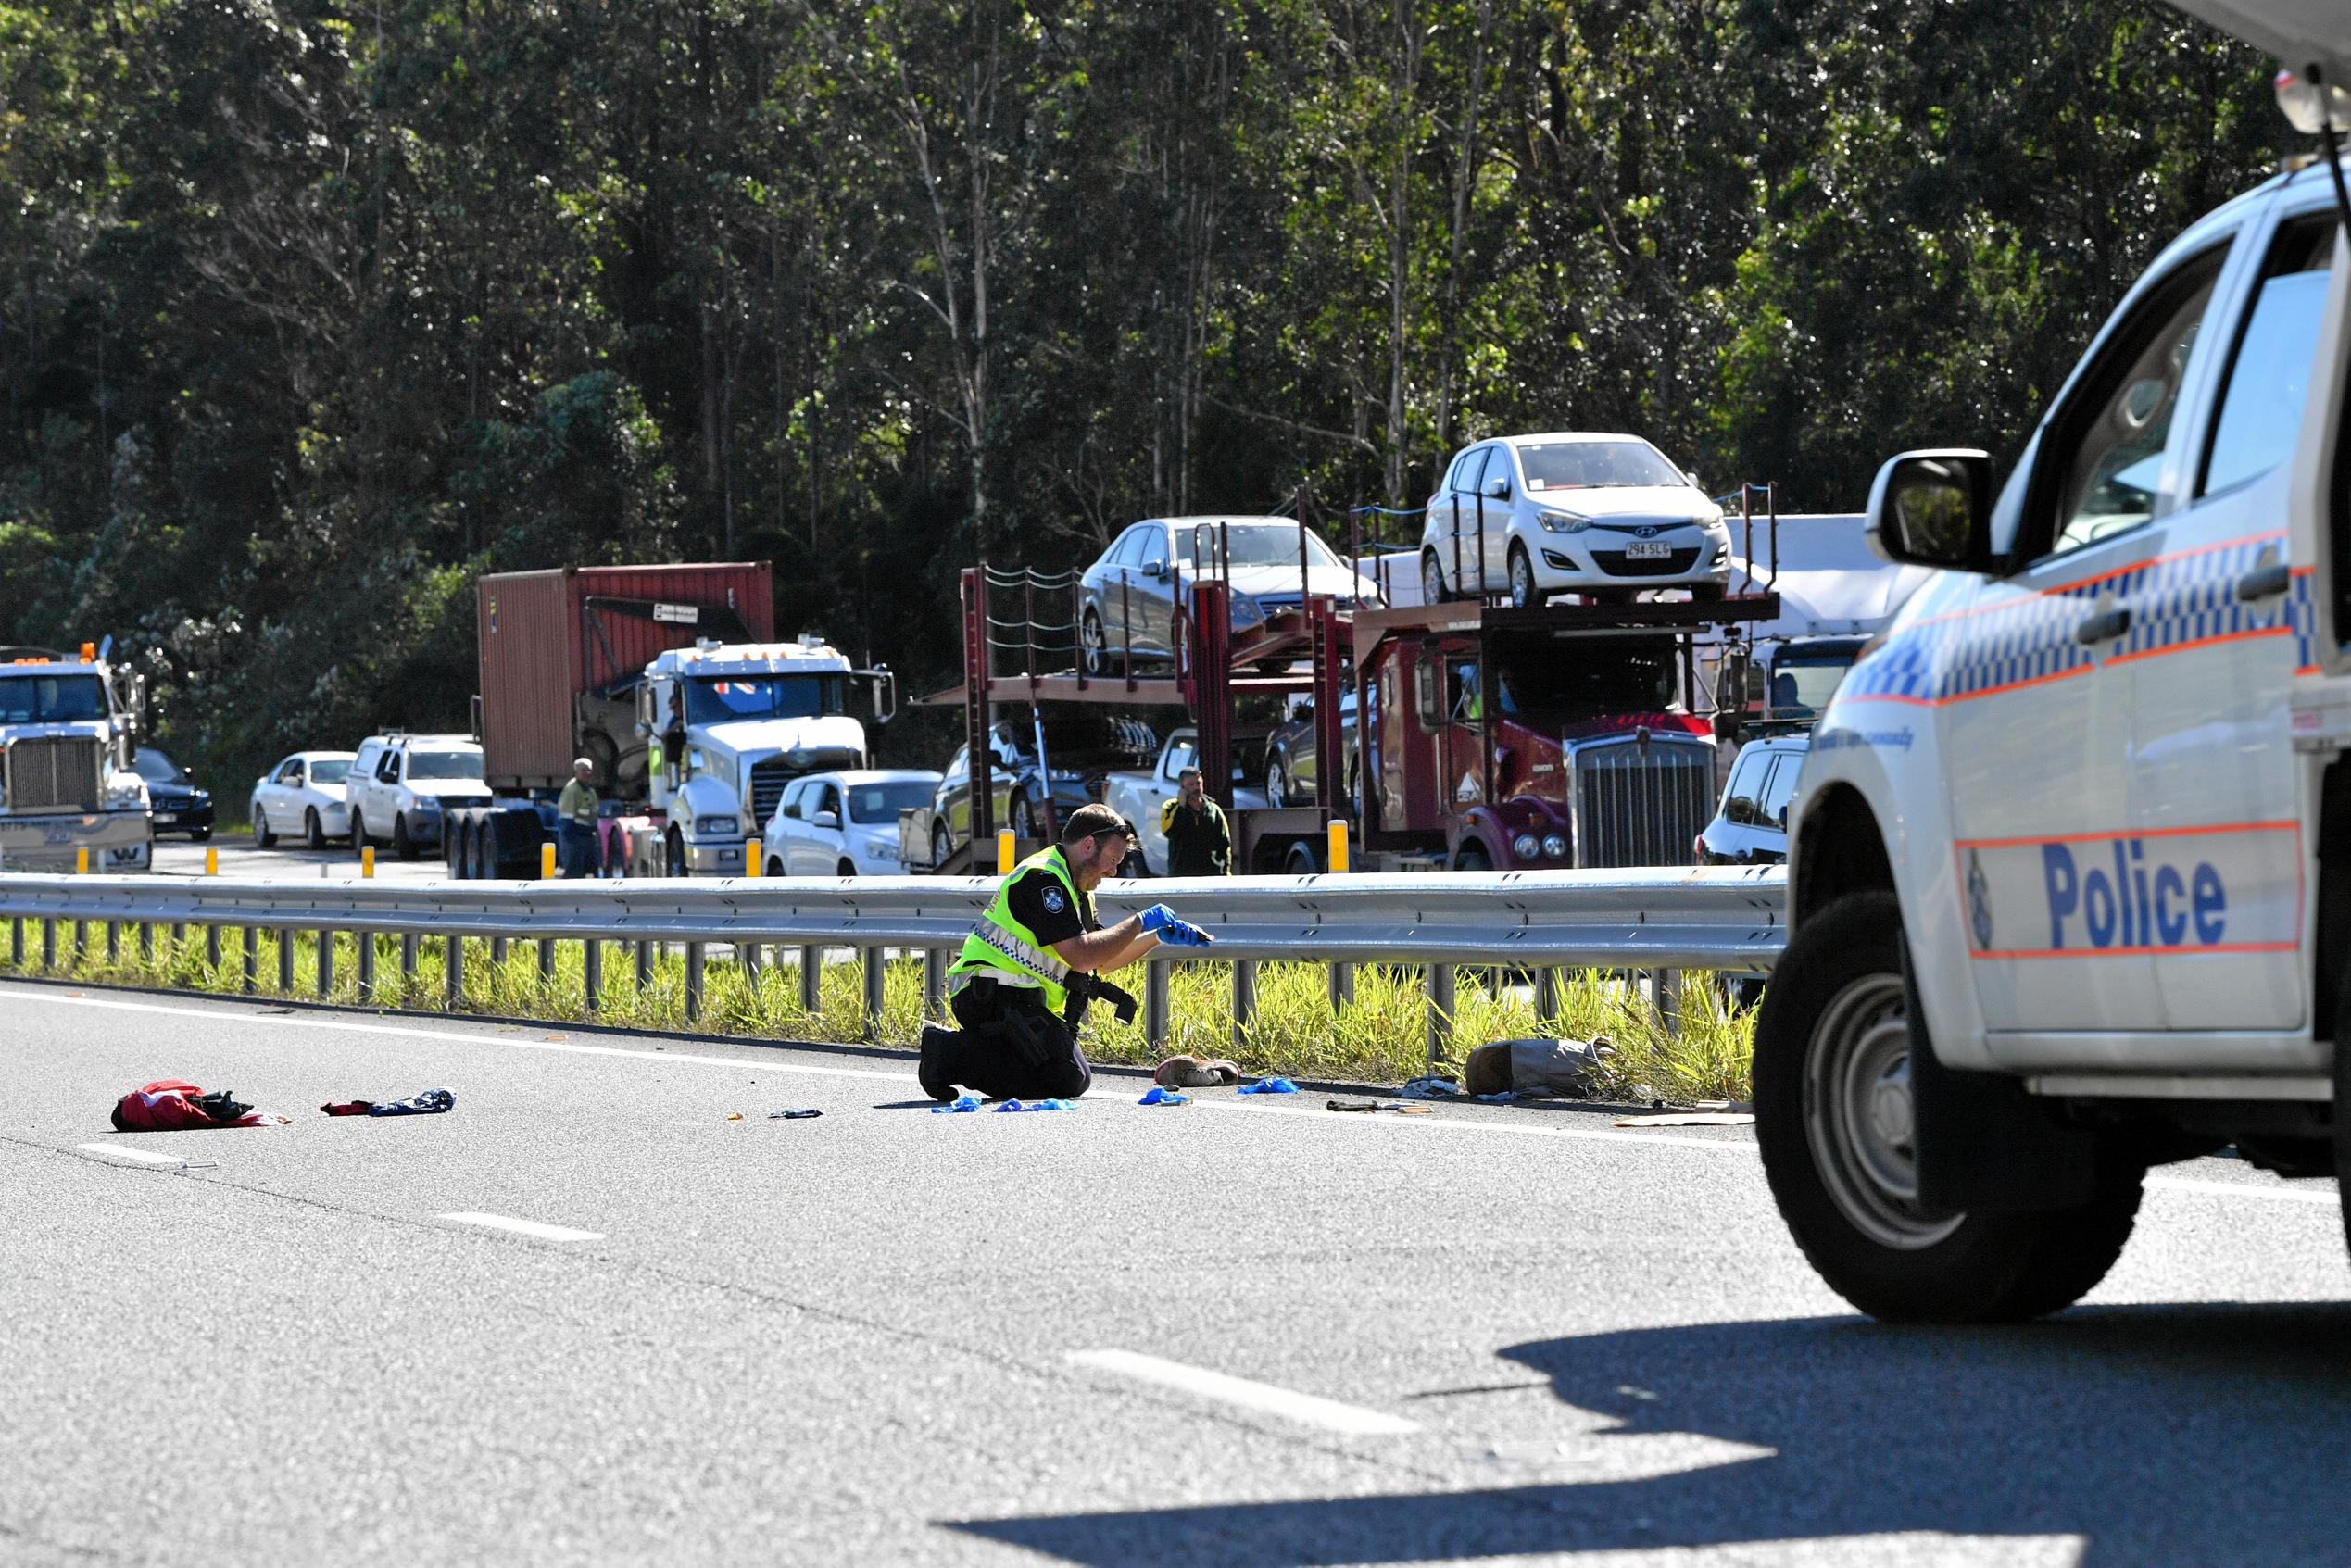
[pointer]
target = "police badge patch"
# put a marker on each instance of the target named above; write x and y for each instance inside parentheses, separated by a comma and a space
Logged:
(1054, 901)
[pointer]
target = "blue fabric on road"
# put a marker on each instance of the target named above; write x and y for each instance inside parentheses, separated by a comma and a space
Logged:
(1270, 1086)
(431, 1102)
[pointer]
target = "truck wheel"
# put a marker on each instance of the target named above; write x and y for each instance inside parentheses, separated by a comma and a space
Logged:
(1302, 861)
(313, 831)
(402, 844)
(1472, 857)
(1833, 1117)
(262, 837)
(673, 855)
(457, 849)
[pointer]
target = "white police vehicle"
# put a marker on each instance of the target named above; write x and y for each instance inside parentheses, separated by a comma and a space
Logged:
(2071, 862)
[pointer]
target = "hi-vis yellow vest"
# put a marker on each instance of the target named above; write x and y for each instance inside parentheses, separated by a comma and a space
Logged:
(1009, 953)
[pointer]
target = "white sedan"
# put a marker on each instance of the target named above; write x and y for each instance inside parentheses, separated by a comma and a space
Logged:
(303, 794)
(843, 823)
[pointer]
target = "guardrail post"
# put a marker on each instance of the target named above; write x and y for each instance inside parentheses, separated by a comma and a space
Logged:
(547, 959)
(1244, 999)
(286, 960)
(1155, 973)
(146, 940)
(252, 958)
(876, 962)
(1546, 993)
(1666, 986)
(16, 943)
(693, 982)
(811, 979)
(366, 939)
(326, 964)
(592, 972)
(643, 966)
(748, 954)
(1342, 986)
(407, 962)
(933, 982)
(114, 940)
(81, 941)
(1440, 1010)
(453, 983)
(497, 951)
(212, 944)
(48, 943)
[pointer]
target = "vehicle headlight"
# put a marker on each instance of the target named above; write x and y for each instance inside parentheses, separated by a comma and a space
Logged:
(428, 803)
(1525, 846)
(1563, 523)
(1246, 611)
(127, 790)
(716, 827)
(1556, 846)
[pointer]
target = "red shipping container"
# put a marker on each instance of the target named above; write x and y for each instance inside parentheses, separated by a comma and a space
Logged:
(543, 644)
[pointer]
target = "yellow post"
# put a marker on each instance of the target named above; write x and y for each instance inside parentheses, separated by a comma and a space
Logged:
(366, 860)
(546, 863)
(1338, 846)
(1006, 848)
(212, 862)
(81, 862)
(753, 853)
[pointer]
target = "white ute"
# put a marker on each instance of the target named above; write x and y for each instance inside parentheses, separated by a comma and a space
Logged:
(2070, 872)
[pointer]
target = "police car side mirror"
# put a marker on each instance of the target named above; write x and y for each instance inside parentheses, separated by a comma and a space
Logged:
(1933, 508)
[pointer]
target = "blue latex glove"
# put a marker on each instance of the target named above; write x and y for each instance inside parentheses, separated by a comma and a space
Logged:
(1163, 923)
(1275, 1086)
(1157, 1096)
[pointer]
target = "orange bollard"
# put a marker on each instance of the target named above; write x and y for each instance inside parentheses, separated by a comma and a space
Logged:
(1007, 846)
(212, 862)
(81, 862)
(546, 863)
(366, 860)
(1338, 846)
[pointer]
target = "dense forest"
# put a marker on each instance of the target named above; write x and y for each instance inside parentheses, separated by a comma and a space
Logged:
(311, 312)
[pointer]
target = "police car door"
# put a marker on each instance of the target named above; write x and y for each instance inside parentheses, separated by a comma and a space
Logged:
(2038, 679)
(2218, 631)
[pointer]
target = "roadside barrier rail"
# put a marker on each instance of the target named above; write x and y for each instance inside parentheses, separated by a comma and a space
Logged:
(1662, 921)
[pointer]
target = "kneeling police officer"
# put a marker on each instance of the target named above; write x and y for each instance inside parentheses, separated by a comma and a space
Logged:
(1028, 971)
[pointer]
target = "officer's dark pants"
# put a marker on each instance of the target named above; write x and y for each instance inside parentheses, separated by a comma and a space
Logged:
(576, 850)
(1012, 1046)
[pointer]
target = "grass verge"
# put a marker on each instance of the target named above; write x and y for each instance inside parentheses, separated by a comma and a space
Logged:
(1380, 1036)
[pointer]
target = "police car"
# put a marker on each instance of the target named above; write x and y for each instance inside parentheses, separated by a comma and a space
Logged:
(2069, 878)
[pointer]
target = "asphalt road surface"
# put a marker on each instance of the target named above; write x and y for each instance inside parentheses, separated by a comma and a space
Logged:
(586, 1318)
(288, 861)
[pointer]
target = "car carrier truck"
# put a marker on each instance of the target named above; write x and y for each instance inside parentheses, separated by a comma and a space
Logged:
(69, 726)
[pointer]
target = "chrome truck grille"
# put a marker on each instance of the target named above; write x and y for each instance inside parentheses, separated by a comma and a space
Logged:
(54, 772)
(1641, 800)
(768, 779)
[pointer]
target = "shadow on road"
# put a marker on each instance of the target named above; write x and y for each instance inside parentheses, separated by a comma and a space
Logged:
(2157, 1434)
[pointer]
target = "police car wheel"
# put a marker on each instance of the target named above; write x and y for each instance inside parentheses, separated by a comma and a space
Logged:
(1833, 1119)
(262, 837)
(313, 831)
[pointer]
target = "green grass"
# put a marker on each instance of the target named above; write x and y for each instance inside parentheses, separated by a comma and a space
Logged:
(1381, 1036)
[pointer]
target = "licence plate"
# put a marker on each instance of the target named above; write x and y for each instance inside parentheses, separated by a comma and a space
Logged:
(1648, 549)
(166, 816)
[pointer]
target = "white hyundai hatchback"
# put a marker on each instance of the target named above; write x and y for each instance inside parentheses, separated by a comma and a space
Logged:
(1605, 516)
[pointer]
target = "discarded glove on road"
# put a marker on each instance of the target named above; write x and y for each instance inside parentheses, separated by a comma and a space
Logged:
(1270, 1086)
(170, 1105)
(1157, 1096)
(969, 1102)
(1196, 1071)
(431, 1102)
(1369, 1104)
(794, 1115)
(1429, 1086)
(1038, 1105)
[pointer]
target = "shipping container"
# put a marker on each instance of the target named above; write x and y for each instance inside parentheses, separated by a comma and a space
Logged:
(562, 649)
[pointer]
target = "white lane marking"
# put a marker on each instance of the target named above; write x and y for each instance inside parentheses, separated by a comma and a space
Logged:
(1308, 1409)
(2244, 1189)
(124, 1151)
(523, 1227)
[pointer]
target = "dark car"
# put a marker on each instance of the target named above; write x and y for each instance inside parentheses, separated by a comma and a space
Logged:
(1291, 767)
(1017, 789)
(179, 806)
(1751, 826)
(1131, 593)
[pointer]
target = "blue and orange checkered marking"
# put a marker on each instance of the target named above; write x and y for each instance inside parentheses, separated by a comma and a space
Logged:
(2025, 638)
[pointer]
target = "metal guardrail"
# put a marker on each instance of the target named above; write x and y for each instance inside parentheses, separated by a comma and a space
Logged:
(1662, 921)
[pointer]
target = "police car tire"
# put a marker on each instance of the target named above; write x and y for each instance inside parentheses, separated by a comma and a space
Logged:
(1991, 1268)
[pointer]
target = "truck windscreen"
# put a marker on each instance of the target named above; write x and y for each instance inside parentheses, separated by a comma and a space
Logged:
(1588, 680)
(725, 699)
(51, 699)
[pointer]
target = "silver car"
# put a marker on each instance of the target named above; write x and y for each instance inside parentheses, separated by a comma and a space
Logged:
(1600, 515)
(1128, 597)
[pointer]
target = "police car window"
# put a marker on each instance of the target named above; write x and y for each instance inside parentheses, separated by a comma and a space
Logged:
(1746, 783)
(1772, 808)
(2109, 443)
(2270, 377)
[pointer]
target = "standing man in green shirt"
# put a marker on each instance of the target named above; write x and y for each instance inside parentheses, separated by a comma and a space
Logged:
(575, 822)
(1198, 841)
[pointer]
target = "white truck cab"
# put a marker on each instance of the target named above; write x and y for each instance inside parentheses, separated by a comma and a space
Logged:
(730, 724)
(2071, 862)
